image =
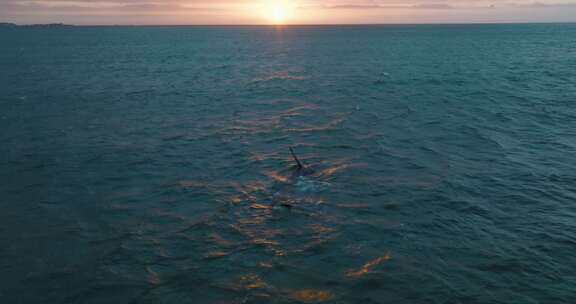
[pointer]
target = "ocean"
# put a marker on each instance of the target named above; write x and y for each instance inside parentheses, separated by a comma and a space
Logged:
(152, 164)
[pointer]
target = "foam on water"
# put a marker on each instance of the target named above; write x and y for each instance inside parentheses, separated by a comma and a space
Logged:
(306, 184)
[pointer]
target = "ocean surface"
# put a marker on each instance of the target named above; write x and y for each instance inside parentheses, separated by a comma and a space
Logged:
(152, 164)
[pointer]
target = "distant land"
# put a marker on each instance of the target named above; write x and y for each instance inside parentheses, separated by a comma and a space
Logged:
(5, 24)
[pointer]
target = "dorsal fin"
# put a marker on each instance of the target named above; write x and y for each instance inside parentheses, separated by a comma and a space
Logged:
(298, 163)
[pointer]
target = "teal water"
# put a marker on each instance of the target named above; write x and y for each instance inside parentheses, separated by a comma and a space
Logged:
(151, 164)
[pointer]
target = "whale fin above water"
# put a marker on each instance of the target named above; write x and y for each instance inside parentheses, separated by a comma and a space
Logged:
(298, 163)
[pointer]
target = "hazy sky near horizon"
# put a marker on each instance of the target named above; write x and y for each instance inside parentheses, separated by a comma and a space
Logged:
(87, 12)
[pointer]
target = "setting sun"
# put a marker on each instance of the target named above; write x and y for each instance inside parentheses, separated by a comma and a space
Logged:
(278, 11)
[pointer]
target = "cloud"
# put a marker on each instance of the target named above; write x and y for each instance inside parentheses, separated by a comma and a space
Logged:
(545, 5)
(433, 6)
(407, 5)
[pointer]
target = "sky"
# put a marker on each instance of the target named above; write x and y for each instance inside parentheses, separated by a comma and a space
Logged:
(176, 12)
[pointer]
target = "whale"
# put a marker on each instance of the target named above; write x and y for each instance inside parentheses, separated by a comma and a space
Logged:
(299, 185)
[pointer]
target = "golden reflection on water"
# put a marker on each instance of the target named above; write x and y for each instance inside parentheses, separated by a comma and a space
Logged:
(276, 177)
(254, 186)
(278, 252)
(366, 268)
(249, 187)
(252, 221)
(215, 255)
(280, 75)
(246, 191)
(307, 106)
(252, 217)
(311, 295)
(260, 206)
(308, 295)
(252, 281)
(263, 242)
(333, 170)
(235, 199)
(321, 229)
(265, 264)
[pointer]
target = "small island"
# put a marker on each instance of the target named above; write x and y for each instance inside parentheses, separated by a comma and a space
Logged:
(49, 25)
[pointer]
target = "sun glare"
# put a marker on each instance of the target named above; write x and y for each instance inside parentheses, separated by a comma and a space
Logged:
(278, 11)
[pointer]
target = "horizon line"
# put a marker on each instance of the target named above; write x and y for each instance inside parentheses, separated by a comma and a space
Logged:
(299, 24)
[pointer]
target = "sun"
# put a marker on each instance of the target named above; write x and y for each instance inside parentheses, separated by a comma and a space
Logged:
(278, 11)
(278, 14)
